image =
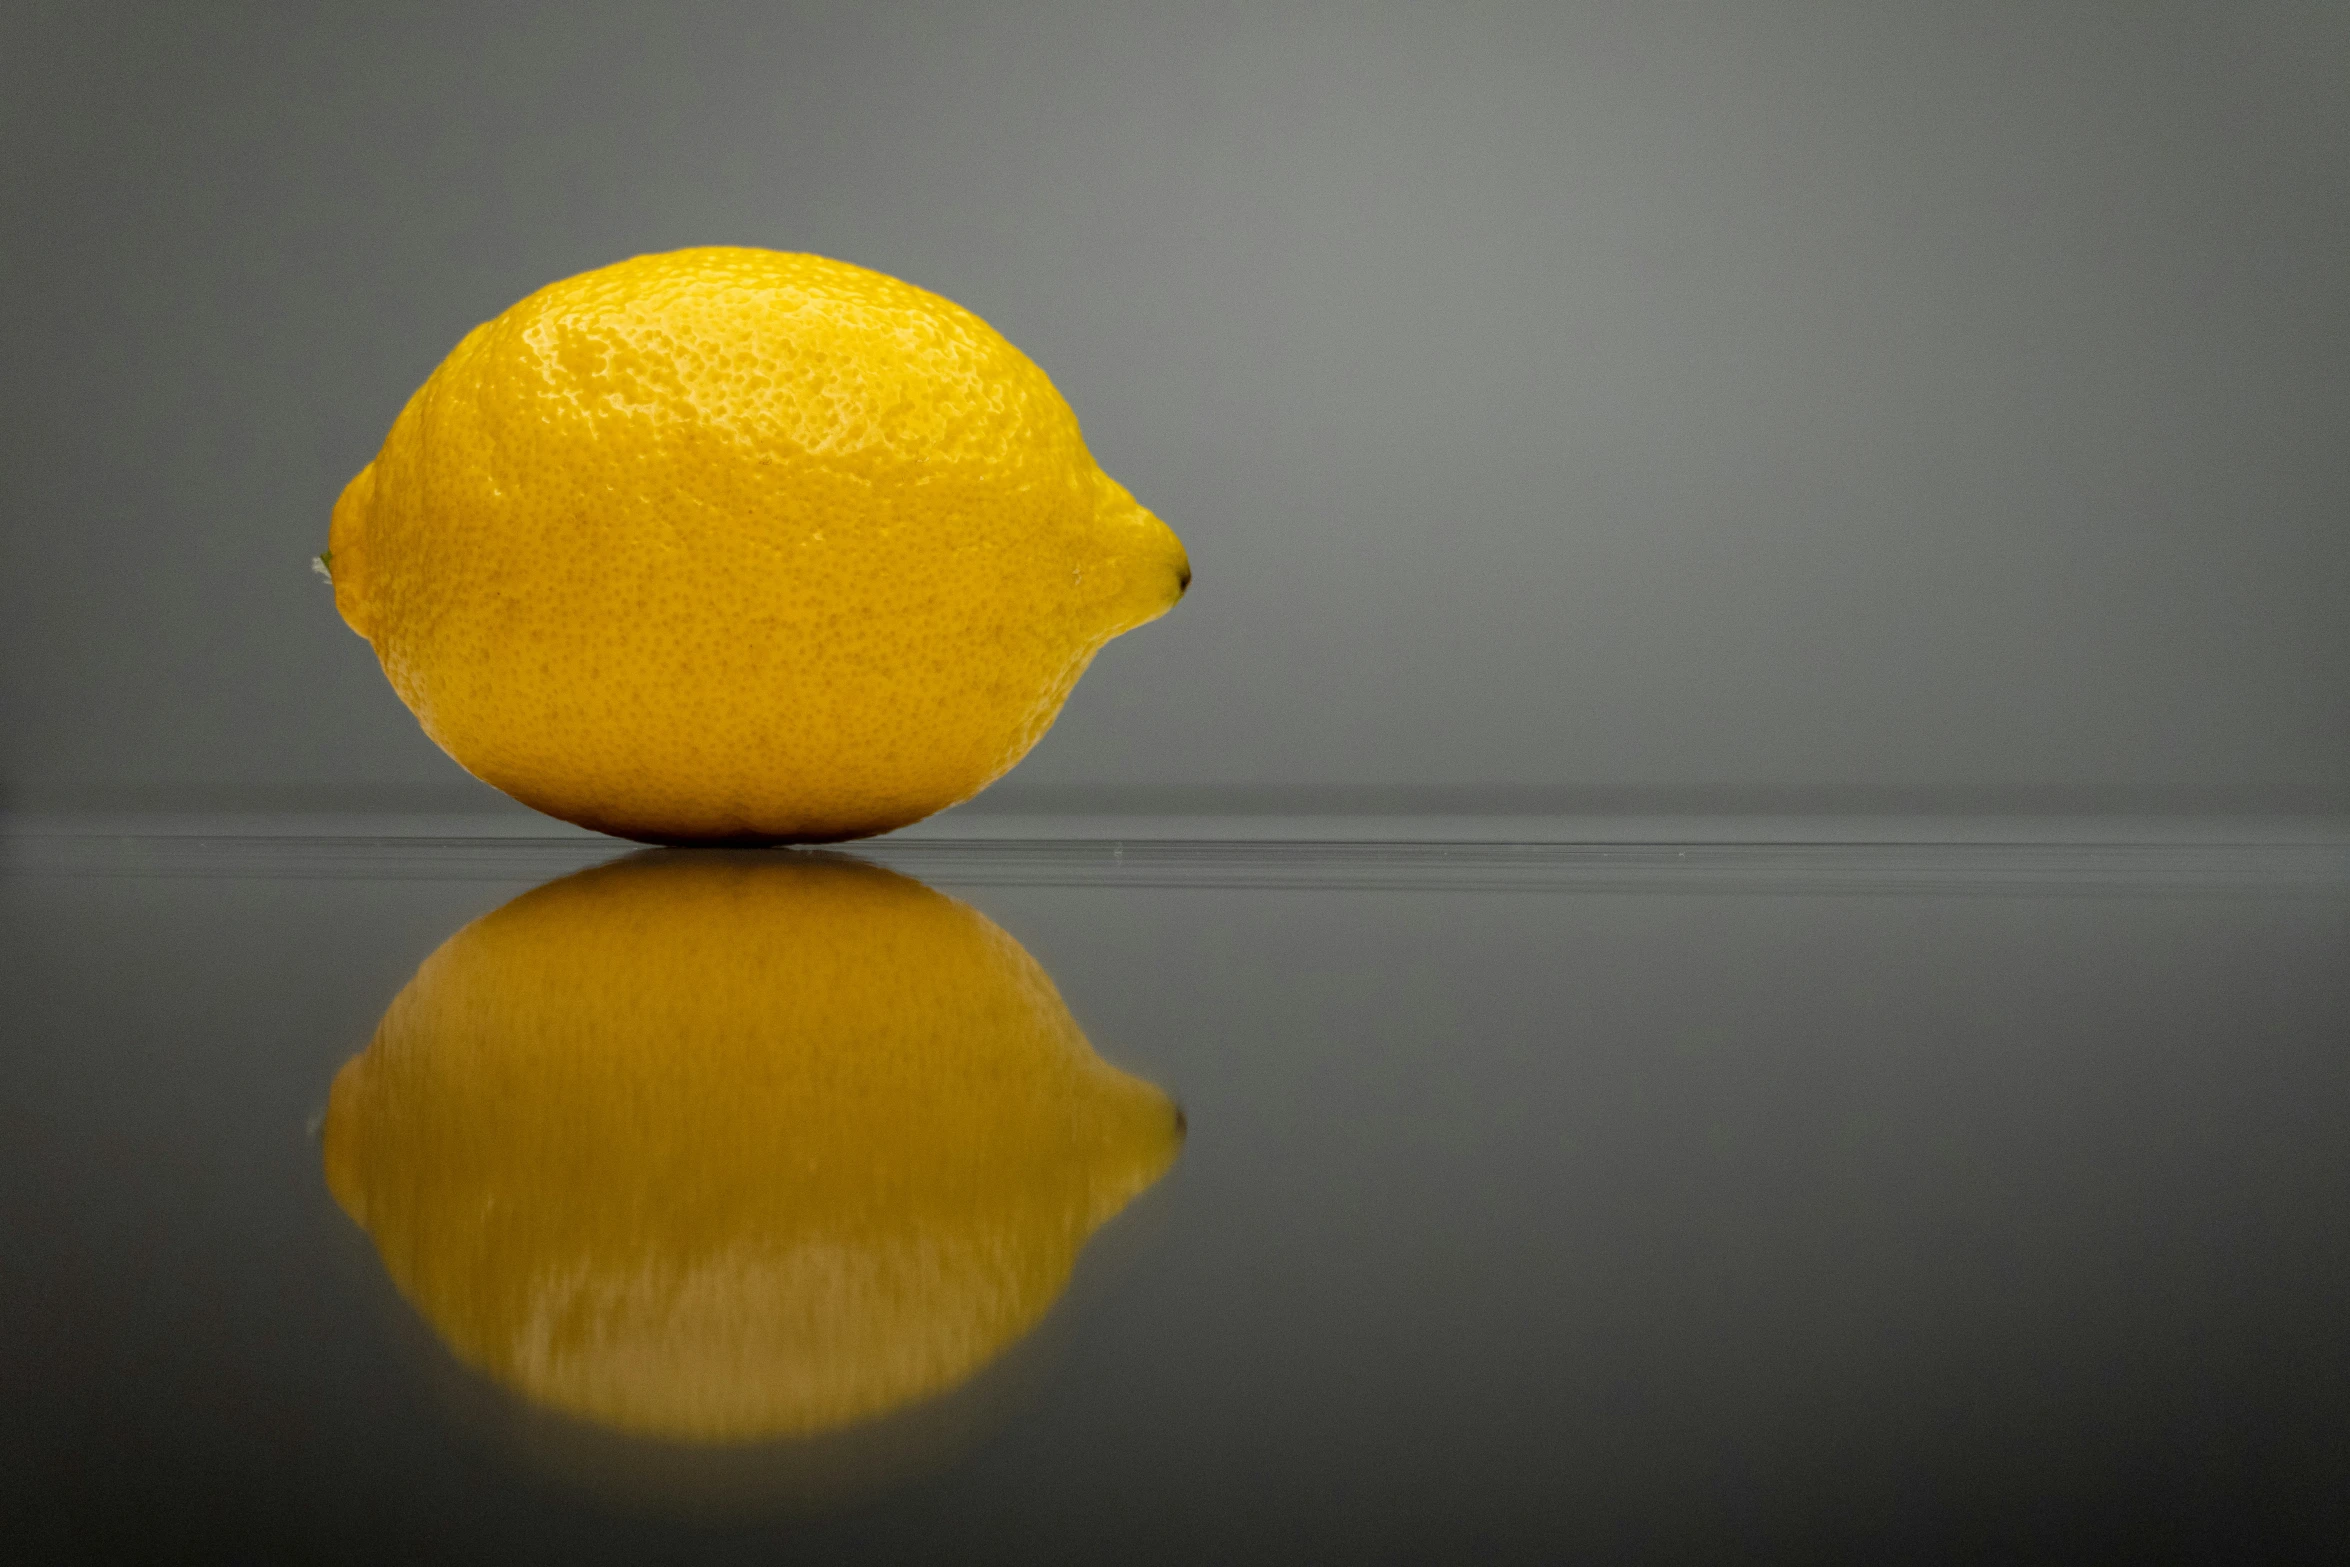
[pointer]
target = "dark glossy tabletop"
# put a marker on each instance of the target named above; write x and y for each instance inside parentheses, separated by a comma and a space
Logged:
(1536, 1198)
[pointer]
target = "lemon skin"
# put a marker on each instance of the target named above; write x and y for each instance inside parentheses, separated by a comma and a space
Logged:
(738, 546)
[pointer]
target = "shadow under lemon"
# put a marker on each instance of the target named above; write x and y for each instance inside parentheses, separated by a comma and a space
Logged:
(712, 1148)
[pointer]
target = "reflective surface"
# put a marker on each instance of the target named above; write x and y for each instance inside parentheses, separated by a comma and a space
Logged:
(1972, 1199)
(721, 1148)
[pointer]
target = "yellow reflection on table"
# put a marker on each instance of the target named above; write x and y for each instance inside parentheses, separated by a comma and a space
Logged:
(717, 1148)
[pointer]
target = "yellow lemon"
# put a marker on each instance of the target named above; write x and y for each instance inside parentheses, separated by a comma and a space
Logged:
(728, 545)
(713, 1151)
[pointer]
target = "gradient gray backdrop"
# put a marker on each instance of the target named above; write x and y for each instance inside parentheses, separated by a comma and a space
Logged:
(1864, 401)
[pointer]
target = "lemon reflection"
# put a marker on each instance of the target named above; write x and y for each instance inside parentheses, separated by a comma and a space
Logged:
(716, 1148)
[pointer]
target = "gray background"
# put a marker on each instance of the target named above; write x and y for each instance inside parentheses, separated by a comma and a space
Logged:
(1826, 402)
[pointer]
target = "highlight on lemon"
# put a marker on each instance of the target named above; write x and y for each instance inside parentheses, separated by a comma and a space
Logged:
(733, 545)
(715, 1149)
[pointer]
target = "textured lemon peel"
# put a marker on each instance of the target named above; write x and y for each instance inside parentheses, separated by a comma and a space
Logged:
(735, 545)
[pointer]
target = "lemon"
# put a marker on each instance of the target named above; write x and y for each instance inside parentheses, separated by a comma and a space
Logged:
(739, 546)
(711, 1151)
